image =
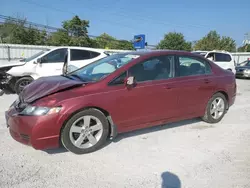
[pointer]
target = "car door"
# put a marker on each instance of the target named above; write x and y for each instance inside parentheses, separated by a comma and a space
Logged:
(80, 57)
(152, 99)
(223, 60)
(52, 63)
(196, 84)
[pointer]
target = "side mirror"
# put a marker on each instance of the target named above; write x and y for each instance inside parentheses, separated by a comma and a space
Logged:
(130, 81)
(39, 60)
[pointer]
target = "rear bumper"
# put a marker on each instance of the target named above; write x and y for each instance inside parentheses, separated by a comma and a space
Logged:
(39, 132)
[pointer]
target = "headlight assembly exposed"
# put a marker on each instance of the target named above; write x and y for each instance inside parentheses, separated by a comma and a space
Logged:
(247, 71)
(39, 111)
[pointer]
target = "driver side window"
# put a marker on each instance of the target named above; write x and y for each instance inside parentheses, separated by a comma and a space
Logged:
(119, 80)
(56, 56)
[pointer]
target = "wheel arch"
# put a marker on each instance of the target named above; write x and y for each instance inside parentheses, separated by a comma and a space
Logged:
(112, 127)
(14, 79)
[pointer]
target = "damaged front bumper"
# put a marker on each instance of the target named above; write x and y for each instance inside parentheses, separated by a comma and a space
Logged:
(5, 86)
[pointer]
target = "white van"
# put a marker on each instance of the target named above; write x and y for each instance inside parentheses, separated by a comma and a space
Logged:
(51, 63)
(222, 58)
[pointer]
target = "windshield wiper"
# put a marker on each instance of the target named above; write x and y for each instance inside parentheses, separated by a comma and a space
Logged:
(75, 75)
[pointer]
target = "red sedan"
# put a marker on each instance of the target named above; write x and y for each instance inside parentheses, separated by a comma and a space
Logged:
(83, 109)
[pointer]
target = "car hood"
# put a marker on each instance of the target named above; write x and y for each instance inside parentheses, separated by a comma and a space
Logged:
(243, 67)
(45, 86)
(11, 64)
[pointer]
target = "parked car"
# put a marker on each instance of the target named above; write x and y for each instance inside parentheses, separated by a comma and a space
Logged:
(243, 69)
(220, 57)
(84, 108)
(48, 63)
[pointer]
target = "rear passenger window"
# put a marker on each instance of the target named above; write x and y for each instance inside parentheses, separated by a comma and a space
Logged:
(76, 54)
(190, 66)
(222, 57)
(94, 54)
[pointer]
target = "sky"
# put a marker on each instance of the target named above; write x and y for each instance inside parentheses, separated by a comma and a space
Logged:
(125, 18)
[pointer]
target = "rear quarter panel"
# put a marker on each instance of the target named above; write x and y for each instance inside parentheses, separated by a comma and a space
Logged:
(226, 82)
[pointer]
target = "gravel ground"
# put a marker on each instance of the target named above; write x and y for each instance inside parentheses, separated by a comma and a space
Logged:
(188, 154)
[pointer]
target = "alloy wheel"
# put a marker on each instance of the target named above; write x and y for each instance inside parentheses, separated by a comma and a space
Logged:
(85, 132)
(217, 108)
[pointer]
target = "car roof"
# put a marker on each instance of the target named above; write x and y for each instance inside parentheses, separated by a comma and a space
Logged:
(100, 50)
(158, 52)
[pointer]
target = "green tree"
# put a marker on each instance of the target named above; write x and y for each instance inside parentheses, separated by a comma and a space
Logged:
(77, 30)
(244, 48)
(174, 41)
(107, 41)
(16, 32)
(59, 38)
(213, 41)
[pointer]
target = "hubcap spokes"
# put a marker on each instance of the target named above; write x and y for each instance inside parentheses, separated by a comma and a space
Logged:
(23, 84)
(86, 132)
(217, 108)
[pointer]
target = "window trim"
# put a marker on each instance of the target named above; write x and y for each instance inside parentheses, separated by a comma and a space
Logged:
(110, 83)
(222, 54)
(172, 68)
(65, 49)
(192, 57)
(89, 52)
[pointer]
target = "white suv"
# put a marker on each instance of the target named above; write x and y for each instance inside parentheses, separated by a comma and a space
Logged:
(51, 63)
(222, 58)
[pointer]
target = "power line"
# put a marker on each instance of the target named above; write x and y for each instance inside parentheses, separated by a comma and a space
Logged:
(44, 27)
(123, 14)
(72, 13)
(147, 18)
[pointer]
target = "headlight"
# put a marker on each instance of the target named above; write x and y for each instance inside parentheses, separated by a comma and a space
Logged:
(247, 71)
(39, 111)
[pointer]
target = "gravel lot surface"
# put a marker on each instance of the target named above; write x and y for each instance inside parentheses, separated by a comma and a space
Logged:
(188, 154)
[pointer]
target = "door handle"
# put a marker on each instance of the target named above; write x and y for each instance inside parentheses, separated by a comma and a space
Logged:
(207, 81)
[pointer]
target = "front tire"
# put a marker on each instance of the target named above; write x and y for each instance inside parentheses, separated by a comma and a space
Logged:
(216, 108)
(21, 84)
(85, 132)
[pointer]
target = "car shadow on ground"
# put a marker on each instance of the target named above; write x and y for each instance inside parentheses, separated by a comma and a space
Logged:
(170, 180)
(119, 137)
(155, 129)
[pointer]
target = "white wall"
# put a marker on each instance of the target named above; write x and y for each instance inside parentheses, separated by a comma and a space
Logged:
(241, 56)
(14, 52)
(19, 51)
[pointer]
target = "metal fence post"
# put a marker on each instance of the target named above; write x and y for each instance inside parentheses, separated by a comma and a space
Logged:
(9, 53)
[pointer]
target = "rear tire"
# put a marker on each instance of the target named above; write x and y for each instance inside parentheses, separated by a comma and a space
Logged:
(85, 132)
(21, 83)
(216, 108)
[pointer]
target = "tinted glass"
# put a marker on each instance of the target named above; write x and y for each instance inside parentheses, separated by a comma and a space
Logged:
(103, 67)
(189, 66)
(35, 55)
(56, 56)
(119, 80)
(157, 68)
(76, 54)
(222, 57)
(94, 54)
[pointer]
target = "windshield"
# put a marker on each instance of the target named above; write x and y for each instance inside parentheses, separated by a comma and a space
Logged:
(35, 55)
(245, 63)
(103, 67)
